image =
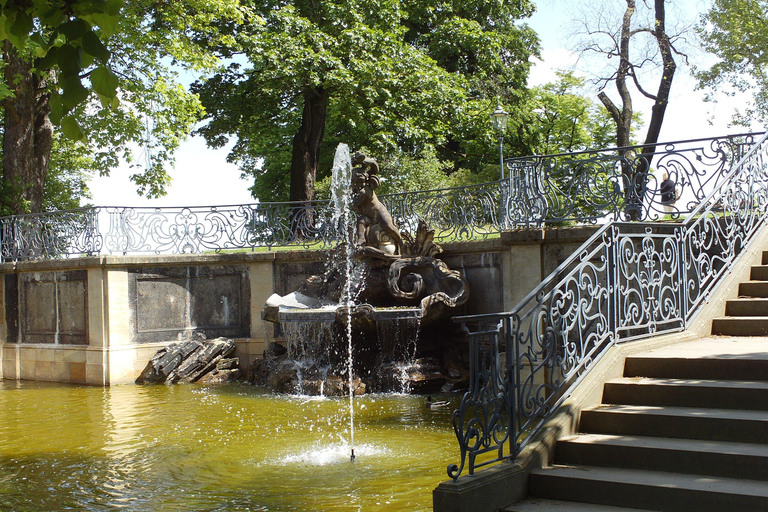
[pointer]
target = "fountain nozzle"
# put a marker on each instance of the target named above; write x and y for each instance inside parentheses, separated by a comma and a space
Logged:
(352, 457)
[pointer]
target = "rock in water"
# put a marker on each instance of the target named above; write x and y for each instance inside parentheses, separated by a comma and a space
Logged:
(186, 361)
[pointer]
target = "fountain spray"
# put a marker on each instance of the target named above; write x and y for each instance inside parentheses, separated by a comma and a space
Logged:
(342, 219)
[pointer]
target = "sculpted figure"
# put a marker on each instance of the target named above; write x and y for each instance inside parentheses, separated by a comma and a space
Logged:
(375, 227)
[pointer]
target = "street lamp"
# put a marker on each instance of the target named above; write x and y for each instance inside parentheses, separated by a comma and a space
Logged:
(499, 119)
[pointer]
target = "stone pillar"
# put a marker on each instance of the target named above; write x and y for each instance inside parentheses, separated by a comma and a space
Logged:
(96, 363)
(120, 364)
(521, 266)
(262, 282)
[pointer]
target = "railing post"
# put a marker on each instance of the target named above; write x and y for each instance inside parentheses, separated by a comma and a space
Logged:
(512, 378)
(682, 236)
(612, 277)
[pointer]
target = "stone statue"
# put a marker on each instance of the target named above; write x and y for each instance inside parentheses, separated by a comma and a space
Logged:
(400, 282)
(375, 227)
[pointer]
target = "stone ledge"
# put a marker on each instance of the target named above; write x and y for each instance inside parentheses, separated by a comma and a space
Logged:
(571, 234)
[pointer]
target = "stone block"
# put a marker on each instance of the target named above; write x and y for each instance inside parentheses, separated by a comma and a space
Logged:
(161, 304)
(483, 274)
(94, 375)
(522, 273)
(26, 369)
(43, 370)
(172, 303)
(59, 371)
(9, 368)
(77, 373)
(27, 353)
(45, 354)
(11, 310)
(72, 312)
(119, 309)
(261, 280)
(95, 356)
(66, 355)
(96, 313)
(39, 308)
(53, 307)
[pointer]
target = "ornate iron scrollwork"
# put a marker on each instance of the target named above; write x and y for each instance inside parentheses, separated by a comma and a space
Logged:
(628, 281)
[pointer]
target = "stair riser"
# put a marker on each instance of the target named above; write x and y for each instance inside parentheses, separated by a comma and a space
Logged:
(665, 499)
(655, 459)
(740, 326)
(685, 396)
(759, 273)
(754, 289)
(747, 307)
(703, 428)
(705, 369)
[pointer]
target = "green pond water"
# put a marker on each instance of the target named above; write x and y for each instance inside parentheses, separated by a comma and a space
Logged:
(216, 448)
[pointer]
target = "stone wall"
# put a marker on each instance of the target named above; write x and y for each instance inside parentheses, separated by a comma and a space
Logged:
(99, 320)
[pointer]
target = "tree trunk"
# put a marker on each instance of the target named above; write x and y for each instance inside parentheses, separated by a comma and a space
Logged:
(661, 99)
(27, 137)
(623, 117)
(306, 154)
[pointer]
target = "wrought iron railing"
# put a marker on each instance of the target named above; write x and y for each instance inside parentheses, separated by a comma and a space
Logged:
(587, 187)
(628, 281)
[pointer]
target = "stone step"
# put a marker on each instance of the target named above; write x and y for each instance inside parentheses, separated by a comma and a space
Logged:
(713, 458)
(540, 505)
(677, 422)
(721, 367)
(652, 490)
(765, 257)
(740, 326)
(753, 289)
(719, 394)
(746, 307)
(759, 273)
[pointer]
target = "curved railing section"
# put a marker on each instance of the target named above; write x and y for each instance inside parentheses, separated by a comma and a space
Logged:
(628, 281)
(588, 188)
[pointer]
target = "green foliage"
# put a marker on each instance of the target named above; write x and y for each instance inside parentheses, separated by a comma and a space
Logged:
(565, 121)
(66, 37)
(70, 169)
(115, 81)
(409, 80)
(736, 31)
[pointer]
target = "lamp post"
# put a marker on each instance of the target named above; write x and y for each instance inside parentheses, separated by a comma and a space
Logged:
(499, 119)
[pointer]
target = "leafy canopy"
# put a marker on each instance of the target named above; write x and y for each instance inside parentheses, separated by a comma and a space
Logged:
(736, 32)
(404, 79)
(66, 36)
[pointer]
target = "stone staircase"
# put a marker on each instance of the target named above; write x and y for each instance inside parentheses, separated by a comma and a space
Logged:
(685, 429)
(747, 315)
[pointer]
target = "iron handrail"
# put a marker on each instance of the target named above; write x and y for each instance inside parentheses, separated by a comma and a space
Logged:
(586, 187)
(628, 281)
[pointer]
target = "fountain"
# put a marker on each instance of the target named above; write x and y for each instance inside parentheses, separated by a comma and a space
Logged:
(362, 318)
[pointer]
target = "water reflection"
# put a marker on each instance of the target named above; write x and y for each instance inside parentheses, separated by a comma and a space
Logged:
(214, 448)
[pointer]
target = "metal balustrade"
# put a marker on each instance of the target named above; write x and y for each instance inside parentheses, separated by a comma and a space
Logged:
(630, 280)
(587, 187)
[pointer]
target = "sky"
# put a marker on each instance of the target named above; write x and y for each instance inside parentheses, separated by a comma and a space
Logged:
(202, 176)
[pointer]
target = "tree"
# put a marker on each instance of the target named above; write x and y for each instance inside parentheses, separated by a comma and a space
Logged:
(566, 120)
(112, 101)
(46, 47)
(401, 78)
(638, 42)
(736, 32)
